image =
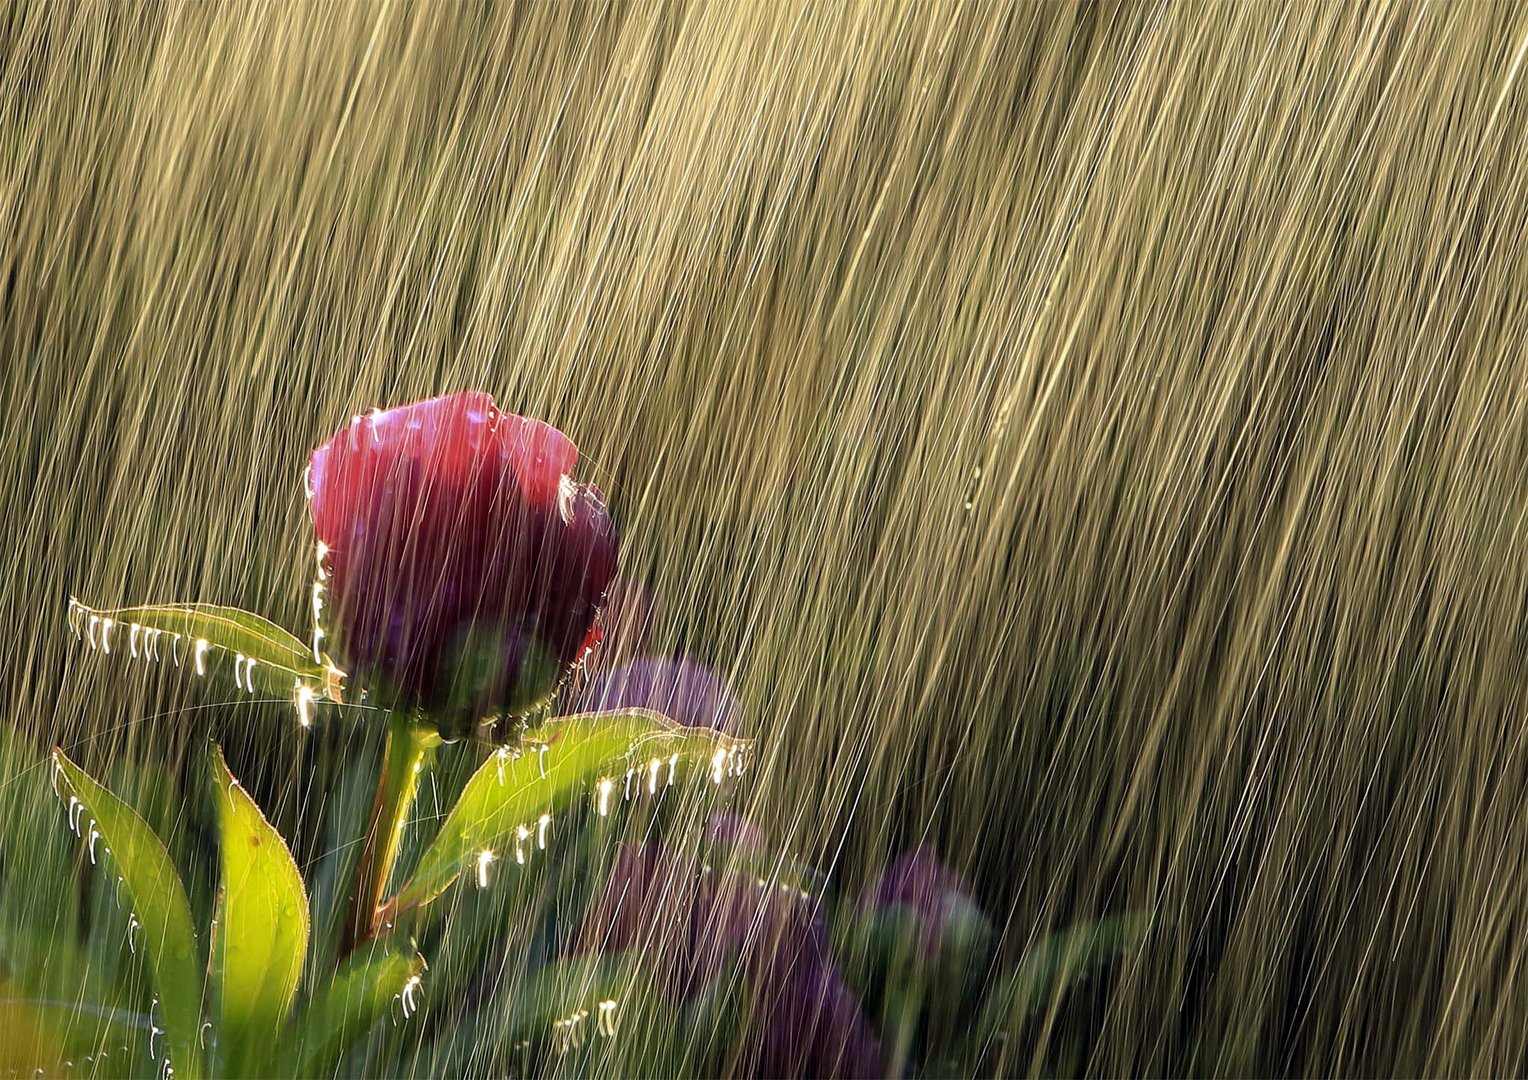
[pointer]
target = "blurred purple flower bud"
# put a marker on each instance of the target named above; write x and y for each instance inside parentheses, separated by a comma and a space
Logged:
(810, 1022)
(684, 690)
(690, 923)
(462, 566)
(935, 898)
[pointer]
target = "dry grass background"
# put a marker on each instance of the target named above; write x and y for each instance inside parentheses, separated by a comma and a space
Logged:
(1092, 435)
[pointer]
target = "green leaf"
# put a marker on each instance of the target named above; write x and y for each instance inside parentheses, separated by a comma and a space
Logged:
(158, 901)
(74, 1028)
(499, 814)
(261, 934)
(350, 1005)
(255, 650)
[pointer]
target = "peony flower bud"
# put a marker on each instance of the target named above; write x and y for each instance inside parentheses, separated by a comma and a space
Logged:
(461, 569)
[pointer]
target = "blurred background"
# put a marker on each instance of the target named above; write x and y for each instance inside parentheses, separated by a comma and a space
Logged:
(1091, 438)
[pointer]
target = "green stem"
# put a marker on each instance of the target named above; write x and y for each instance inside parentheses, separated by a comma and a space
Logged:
(408, 744)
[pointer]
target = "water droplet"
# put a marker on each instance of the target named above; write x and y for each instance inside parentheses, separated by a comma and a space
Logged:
(408, 995)
(304, 704)
(607, 1024)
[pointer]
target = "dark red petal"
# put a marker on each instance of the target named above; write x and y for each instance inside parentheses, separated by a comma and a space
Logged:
(538, 453)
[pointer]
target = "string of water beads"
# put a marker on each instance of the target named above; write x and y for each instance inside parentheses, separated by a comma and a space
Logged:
(146, 643)
(727, 761)
(523, 832)
(568, 1032)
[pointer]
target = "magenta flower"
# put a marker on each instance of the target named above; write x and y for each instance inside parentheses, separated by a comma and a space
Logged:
(461, 566)
(684, 690)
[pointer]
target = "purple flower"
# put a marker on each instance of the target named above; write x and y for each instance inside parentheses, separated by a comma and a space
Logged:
(461, 565)
(690, 923)
(932, 897)
(685, 691)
